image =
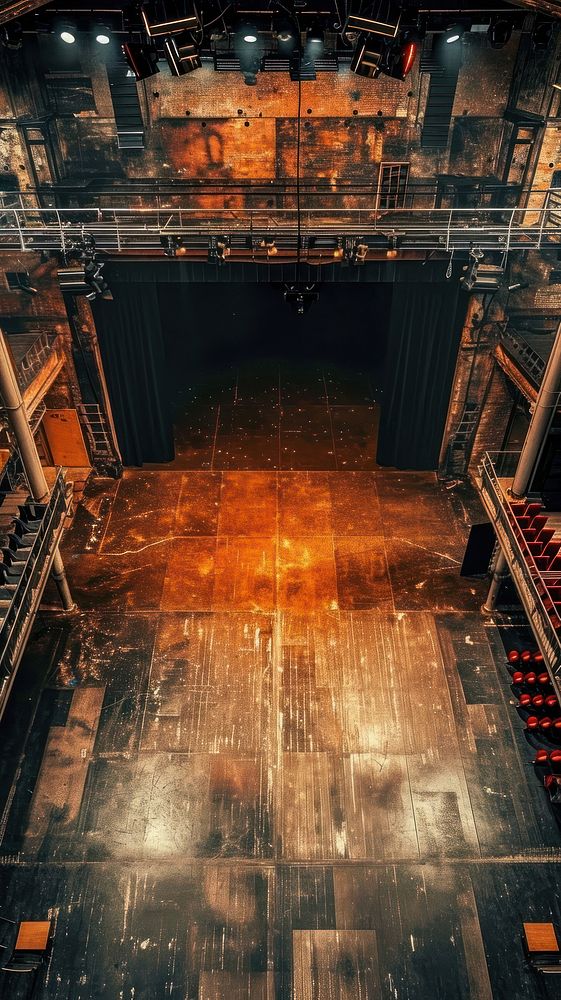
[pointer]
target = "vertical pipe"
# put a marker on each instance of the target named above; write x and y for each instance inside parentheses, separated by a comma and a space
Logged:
(15, 407)
(548, 398)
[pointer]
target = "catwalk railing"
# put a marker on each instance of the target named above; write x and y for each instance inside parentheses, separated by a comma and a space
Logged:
(16, 623)
(495, 474)
(34, 358)
(128, 228)
(528, 360)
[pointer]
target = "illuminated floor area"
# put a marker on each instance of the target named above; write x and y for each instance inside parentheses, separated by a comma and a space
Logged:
(273, 756)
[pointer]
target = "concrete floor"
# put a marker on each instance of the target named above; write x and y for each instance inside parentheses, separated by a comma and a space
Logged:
(276, 753)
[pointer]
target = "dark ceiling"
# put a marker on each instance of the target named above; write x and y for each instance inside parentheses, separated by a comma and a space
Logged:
(11, 9)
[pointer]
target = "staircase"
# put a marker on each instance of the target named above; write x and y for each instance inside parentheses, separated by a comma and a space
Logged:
(126, 107)
(440, 101)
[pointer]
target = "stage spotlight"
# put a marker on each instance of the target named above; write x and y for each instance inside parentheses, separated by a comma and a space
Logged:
(542, 34)
(453, 33)
(166, 17)
(171, 244)
(286, 35)
(355, 251)
(67, 34)
(182, 54)
(248, 50)
(374, 26)
(499, 32)
(301, 296)
(270, 246)
(11, 35)
(142, 59)
(398, 58)
(219, 249)
(315, 38)
(102, 36)
(368, 57)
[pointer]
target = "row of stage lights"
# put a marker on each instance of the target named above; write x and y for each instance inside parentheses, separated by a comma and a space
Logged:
(383, 41)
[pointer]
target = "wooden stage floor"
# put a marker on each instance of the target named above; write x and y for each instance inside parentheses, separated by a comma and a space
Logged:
(275, 754)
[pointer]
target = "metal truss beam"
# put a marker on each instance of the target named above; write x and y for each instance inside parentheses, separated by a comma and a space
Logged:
(130, 230)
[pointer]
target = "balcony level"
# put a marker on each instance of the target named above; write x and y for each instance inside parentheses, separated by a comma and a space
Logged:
(38, 359)
(530, 538)
(29, 536)
(523, 356)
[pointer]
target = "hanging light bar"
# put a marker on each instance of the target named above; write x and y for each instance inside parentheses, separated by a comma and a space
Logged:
(387, 27)
(182, 54)
(166, 19)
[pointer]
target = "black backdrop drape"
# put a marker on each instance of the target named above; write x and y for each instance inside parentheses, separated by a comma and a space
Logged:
(134, 359)
(424, 336)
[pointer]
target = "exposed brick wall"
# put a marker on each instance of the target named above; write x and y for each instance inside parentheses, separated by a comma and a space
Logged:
(494, 418)
(211, 125)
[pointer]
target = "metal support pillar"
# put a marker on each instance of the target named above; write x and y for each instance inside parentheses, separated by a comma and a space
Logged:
(547, 401)
(17, 415)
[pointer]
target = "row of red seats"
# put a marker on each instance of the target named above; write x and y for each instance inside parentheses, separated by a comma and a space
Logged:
(537, 702)
(539, 706)
(542, 547)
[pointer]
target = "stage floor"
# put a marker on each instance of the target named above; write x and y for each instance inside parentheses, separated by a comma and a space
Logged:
(275, 754)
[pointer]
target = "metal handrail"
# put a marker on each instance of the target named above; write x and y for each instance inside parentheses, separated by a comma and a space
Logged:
(499, 229)
(12, 627)
(33, 360)
(521, 564)
(529, 360)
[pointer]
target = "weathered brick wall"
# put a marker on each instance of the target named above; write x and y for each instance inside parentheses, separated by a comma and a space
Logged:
(210, 125)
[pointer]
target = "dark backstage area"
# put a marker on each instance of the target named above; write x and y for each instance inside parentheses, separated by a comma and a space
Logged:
(280, 500)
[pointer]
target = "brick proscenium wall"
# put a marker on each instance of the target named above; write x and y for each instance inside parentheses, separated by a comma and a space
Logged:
(210, 126)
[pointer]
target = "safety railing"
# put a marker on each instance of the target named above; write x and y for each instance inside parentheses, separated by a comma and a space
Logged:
(129, 229)
(322, 192)
(528, 360)
(494, 468)
(17, 621)
(34, 358)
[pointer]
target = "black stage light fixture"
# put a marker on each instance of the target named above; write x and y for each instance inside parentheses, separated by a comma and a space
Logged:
(67, 33)
(248, 48)
(165, 17)
(142, 59)
(301, 296)
(171, 244)
(315, 39)
(102, 34)
(368, 57)
(453, 34)
(542, 34)
(182, 54)
(398, 58)
(385, 23)
(286, 37)
(95, 280)
(499, 32)
(219, 249)
(355, 251)
(11, 35)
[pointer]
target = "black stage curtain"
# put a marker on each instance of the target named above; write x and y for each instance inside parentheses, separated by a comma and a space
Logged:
(133, 354)
(425, 328)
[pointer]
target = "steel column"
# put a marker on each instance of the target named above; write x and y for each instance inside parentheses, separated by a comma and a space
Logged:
(17, 415)
(546, 403)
